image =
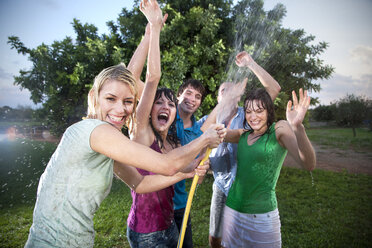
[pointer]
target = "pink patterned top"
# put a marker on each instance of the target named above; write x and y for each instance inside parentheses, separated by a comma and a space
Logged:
(151, 212)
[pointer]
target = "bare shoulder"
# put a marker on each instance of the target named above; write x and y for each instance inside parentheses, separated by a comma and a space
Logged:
(281, 124)
(282, 127)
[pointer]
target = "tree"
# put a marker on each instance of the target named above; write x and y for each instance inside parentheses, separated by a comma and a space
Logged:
(199, 40)
(63, 72)
(324, 112)
(351, 111)
(21, 113)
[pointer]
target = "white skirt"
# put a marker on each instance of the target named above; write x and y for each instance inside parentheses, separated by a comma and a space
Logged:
(251, 230)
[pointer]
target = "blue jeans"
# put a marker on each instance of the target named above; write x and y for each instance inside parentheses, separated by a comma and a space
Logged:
(178, 217)
(161, 239)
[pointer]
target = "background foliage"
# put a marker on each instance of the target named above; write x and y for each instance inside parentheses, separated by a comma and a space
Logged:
(199, 41)
(349, 111)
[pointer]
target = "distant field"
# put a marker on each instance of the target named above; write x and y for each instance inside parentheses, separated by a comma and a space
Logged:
(342, 138)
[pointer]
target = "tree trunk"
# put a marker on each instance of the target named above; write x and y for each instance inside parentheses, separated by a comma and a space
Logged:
(354, 132)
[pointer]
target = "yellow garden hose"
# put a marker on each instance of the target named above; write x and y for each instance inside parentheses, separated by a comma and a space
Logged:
(189, 201)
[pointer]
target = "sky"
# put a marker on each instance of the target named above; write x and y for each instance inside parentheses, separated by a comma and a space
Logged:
(343, 24)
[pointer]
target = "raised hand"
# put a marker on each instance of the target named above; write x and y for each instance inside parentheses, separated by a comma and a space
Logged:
(243, 59)
(152, 11)
(296, 113)
(147, 30)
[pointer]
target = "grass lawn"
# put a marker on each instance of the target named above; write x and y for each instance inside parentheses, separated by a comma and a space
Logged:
(318, 209)
(342, 138)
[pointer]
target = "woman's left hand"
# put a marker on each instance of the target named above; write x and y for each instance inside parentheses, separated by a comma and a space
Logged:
(202, 169)
(296, 113)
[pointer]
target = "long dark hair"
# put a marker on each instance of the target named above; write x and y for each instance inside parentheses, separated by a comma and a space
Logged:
(263, 101)
(172, 132)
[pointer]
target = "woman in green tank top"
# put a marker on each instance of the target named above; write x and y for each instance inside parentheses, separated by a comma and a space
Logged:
(251, 213)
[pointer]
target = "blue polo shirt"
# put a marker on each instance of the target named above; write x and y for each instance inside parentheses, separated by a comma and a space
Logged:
(185, 136)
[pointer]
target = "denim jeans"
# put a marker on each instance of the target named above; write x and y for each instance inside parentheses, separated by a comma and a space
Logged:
(167, 238)
(161, 239)
(216, 212)
(178, 217)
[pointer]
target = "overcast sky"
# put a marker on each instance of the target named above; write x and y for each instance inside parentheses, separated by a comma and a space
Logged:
(344, 24)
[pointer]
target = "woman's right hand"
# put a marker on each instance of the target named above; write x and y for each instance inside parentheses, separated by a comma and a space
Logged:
(243, 59)
(215, 135)
(152, 12)
(148, 30)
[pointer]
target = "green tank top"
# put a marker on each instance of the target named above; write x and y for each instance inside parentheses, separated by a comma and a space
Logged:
(259, 164)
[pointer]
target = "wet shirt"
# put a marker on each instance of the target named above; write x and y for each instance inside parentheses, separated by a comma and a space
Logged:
(185, 135)
(223, 158)
(153, 211)
(73, 185)
(259, 165)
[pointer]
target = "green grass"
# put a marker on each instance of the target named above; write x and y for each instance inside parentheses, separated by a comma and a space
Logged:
(318, 209)
(21, 164)
(342, 138)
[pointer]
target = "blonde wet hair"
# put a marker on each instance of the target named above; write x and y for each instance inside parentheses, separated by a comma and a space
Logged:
(119, 73)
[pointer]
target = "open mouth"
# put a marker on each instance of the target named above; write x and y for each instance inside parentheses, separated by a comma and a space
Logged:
(116, 119)
(163, 118)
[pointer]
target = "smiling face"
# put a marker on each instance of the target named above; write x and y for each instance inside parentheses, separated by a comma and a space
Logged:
(115, 102)
(190, 100)
(163, 113)
(256, 116)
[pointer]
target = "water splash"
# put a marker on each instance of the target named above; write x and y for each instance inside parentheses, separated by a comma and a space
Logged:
(317, 201)
(253, 34)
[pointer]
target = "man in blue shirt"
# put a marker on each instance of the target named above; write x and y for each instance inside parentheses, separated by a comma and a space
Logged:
(190, 95)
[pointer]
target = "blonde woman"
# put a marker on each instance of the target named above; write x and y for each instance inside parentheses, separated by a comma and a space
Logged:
(79, 174)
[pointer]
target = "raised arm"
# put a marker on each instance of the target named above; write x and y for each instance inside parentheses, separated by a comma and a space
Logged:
(243, 59)
(154, 16)
(138, 59)
(291, 133)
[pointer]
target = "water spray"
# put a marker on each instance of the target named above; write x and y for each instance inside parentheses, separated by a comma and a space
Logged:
(232, 95)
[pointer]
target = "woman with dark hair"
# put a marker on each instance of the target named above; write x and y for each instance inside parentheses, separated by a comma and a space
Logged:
(150, 222)
(251, 213)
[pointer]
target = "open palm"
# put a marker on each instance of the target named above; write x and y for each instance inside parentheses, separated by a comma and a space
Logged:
(152, 12)
(296, 110)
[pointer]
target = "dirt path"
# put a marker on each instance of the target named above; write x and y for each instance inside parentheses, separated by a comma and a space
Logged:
(338, 160)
